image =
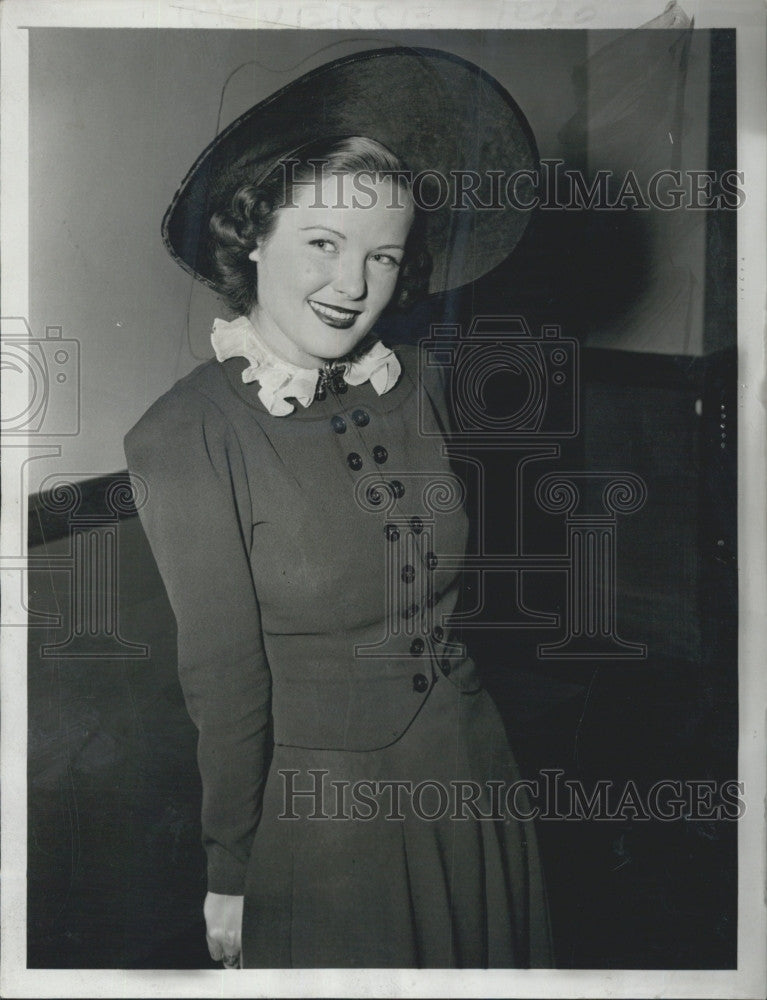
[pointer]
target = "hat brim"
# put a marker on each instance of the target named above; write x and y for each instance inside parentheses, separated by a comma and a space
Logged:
(436, 111)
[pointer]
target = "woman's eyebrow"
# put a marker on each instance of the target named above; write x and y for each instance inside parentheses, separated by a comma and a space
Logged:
(325, 229)
(335, 232)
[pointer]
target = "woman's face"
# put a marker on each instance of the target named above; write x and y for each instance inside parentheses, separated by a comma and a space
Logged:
(329, 267)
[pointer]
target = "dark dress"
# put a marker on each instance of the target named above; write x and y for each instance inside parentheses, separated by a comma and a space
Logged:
(312, 562)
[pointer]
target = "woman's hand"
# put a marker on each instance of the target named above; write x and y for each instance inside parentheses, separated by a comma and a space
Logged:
(223, 928)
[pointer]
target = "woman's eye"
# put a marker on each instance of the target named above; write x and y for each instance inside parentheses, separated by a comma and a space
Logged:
(328, 246)
(386, 259)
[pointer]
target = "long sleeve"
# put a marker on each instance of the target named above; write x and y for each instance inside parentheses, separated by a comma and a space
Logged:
(194, 514)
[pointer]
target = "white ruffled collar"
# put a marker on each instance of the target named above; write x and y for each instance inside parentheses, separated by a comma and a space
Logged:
(280, 379)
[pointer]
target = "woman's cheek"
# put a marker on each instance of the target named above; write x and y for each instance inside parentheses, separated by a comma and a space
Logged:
(386, 285)
(318, 273)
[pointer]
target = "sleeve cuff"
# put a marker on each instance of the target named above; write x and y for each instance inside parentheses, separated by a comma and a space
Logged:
(226, 874)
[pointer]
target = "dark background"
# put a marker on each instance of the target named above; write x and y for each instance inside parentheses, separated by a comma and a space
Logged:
(116, 871)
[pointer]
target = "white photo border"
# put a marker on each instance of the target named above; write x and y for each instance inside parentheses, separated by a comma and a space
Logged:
(748, 18)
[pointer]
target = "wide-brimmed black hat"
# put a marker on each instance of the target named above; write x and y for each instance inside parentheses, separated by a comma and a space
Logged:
(439, 113)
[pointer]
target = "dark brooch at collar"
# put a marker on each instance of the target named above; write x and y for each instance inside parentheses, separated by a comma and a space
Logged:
(331, 377)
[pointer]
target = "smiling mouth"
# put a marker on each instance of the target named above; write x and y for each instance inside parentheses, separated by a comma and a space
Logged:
(334, 316)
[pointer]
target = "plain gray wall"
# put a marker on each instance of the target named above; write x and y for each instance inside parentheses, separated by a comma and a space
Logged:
(117, 117)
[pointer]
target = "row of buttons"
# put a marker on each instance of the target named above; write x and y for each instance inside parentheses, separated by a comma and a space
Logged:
(354, 461)
(408, 572)
(417, 647)
(412, 610)
(361, 418)
(416, 526)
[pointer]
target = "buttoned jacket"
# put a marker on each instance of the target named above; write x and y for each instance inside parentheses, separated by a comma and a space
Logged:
(312, 562)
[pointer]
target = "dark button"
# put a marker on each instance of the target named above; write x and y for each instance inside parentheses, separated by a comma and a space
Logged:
(420, 683)
(408, 574)
(397, 489)
(417, 525)
(410, 611)
(338, 424)
(392, 532)
(431, 560)
(354, 461)
(445, 667)
(437, 632)
(416, 647)
(360, 418)
(380, 454)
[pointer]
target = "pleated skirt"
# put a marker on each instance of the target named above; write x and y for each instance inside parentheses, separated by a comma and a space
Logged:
(375, 874)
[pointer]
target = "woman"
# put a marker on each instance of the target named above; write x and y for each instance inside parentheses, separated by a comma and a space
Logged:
(308, 527)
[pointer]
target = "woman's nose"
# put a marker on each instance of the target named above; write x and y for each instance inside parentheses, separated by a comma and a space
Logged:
(350, 279)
